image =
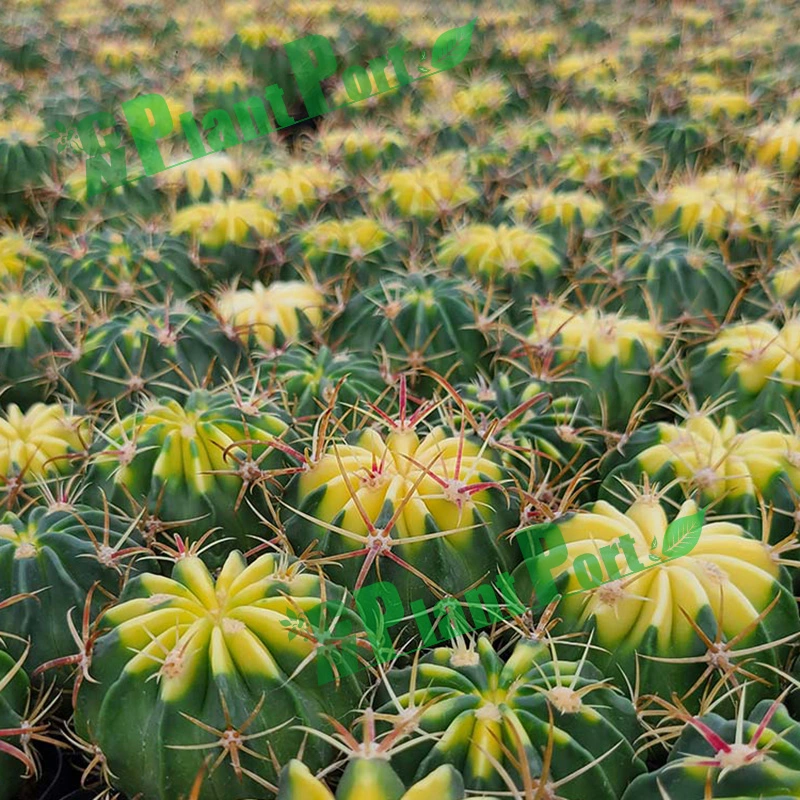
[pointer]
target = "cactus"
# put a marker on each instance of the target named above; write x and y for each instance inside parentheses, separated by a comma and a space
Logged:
(674, 606)
(480, 704)
(220, 668)
(201, 464)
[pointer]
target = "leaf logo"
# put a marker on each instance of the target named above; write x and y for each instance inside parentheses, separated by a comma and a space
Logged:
(683, 534)
(653, 546)
(451, 48)
(294, 623)
(66, 136)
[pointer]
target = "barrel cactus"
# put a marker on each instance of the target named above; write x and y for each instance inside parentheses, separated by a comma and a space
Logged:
(426, 510)
(369, 779)
(310, 377)
(419, 322)
(612, 358)
(753, 756)
(521, 415)
(514, 256)
(29, 334)
(480, 705)
(63, 557)
(200, 464)
(128, 358)
(717, 464)
(192, 666)
(676, 604)
(40, 445)
(272, 316)
(683, 281)
(109, 268)
(753, 364)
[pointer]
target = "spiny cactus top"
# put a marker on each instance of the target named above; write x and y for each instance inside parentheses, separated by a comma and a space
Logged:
(671, 596)
(726, 466)
(298, 185)
(273, 315)
(40, 442)
(754, 756)
(192, 665)
(202, 463)
(482, 707)
(222, 222)
(427, 507)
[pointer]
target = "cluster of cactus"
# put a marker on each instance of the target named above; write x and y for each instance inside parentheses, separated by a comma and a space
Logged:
(443, 443)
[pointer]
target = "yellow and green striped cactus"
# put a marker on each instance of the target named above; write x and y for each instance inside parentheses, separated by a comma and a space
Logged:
(512, 255)
(721, 202)
(740, 758)
(479, 708)
(201, 463)
(29, 333)
(425, 511)
(754, 364)
(610, 357)
(272, 315)
(40, 444)
(718, 464)
(692, 601)
(228, 232)
(369, 779)
(130, 357)
(26, 161)
(191, 666)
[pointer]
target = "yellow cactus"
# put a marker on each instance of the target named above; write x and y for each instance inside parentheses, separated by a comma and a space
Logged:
(777, 141)
(489, 94)
(719, 201)
(502, 250)
(218, 80)
(264, 311)
(297, 185)
(548, 206)
(714, 104)
(22, 127)
(429, 190)
(368, 141)
(759, 352)
(726, 568)
(39, 440)
(356, 237)
(225, 221)
(122, 52)
(258, 34)
(593, 165)
(528, 45)
(425, 477)
(22, 313)
(720, 460)
(786, 280)
(600, 336)
(211, 171)
(586, 67)
(582, 123)
(646, 37)
(16, 252)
